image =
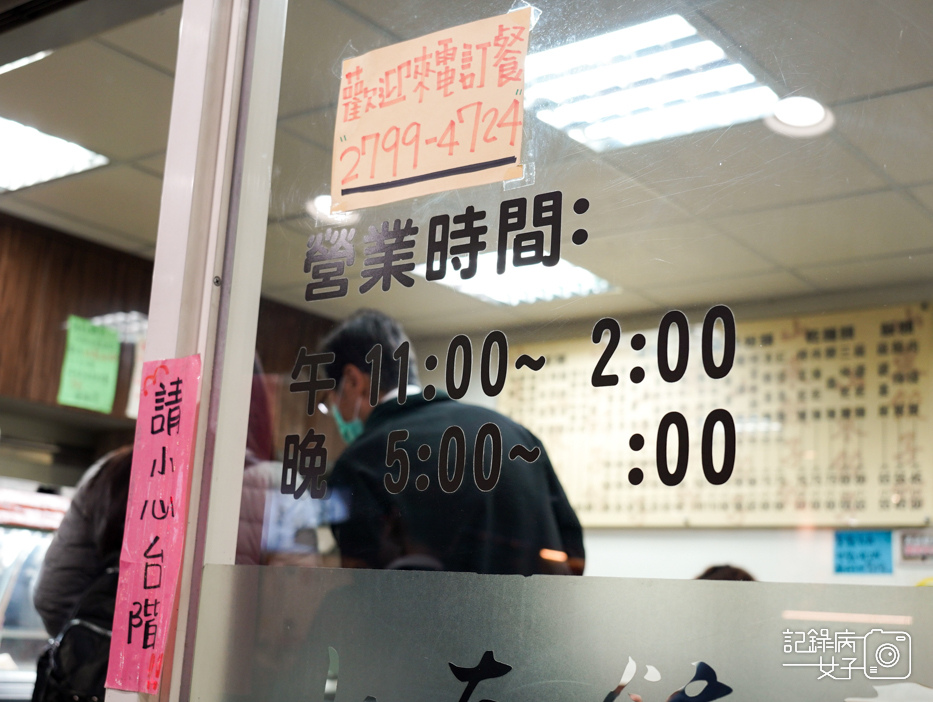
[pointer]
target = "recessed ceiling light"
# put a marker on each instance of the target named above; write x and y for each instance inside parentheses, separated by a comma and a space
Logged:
(643, 83)
(319, 209)
(800, 117)
(19, 63)
(31, 157)
(525, 284)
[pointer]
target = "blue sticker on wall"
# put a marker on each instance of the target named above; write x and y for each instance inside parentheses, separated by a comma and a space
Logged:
(864, 552)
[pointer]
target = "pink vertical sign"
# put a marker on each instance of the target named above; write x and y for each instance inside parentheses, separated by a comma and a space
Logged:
(156, 517)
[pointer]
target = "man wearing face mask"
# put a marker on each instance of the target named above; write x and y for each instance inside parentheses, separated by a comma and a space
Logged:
(523, 525)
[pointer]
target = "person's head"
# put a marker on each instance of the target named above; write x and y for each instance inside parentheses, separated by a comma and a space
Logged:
(351, 342)
(725, 572)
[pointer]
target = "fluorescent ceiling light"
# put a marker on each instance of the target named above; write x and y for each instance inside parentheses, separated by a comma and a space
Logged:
(644, 83)
(563, 88)
(605, 48)
(525, 284)
(19, 63)
(653, 96)
(31, 157)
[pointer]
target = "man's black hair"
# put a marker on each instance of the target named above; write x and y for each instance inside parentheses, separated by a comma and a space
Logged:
(725, 572)
(352, 340)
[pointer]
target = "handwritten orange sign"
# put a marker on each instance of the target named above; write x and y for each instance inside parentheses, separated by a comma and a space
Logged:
(156, 517)
(441, 112)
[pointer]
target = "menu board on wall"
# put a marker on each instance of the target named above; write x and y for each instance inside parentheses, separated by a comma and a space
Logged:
(830, 416)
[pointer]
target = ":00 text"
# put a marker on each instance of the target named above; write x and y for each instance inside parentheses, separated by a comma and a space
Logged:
(675, 421)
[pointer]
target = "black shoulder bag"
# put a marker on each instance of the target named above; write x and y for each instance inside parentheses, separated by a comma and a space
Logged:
(73, 668)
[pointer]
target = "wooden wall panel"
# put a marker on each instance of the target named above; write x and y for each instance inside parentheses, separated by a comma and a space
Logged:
(282, 331)
(45, 276)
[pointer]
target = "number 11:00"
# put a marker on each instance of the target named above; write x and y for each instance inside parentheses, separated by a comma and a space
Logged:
(492, 375)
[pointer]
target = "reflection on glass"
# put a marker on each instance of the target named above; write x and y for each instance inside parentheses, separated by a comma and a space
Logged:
(648, 82)
(817, 245)
(22, 636)
(25, 61)
(31, 156)
(524, 285)
(800, 117)
(319, 209)
(429, 483)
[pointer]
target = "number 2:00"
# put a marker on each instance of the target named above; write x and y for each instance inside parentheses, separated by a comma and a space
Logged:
(674, 318)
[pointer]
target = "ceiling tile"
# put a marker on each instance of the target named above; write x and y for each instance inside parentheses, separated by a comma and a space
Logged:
(560, 21)
(590, 307)
(925, 195)
(316, 126)
(153, 39)
(892, 270)
(671, 255)
(896, 132)
(93, 96)
(414, 18)
(745, 167)
(283, 264)
(641, 199)
(618, 202)
(153, 164)
(419, 308)
(818, 49)
(762, 286)
(856, 227)
(477, 320)
(119, 198)
(84, 230)
(300, 172)
(318, 36)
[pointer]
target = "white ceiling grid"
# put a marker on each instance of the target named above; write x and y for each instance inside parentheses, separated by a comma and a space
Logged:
(731, 215)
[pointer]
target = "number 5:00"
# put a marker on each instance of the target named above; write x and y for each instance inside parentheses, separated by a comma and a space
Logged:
(453, 441)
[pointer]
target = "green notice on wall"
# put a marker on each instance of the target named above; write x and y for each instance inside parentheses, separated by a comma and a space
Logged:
(91, 366)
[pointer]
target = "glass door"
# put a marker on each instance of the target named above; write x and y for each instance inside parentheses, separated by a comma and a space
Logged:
(652, 306)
